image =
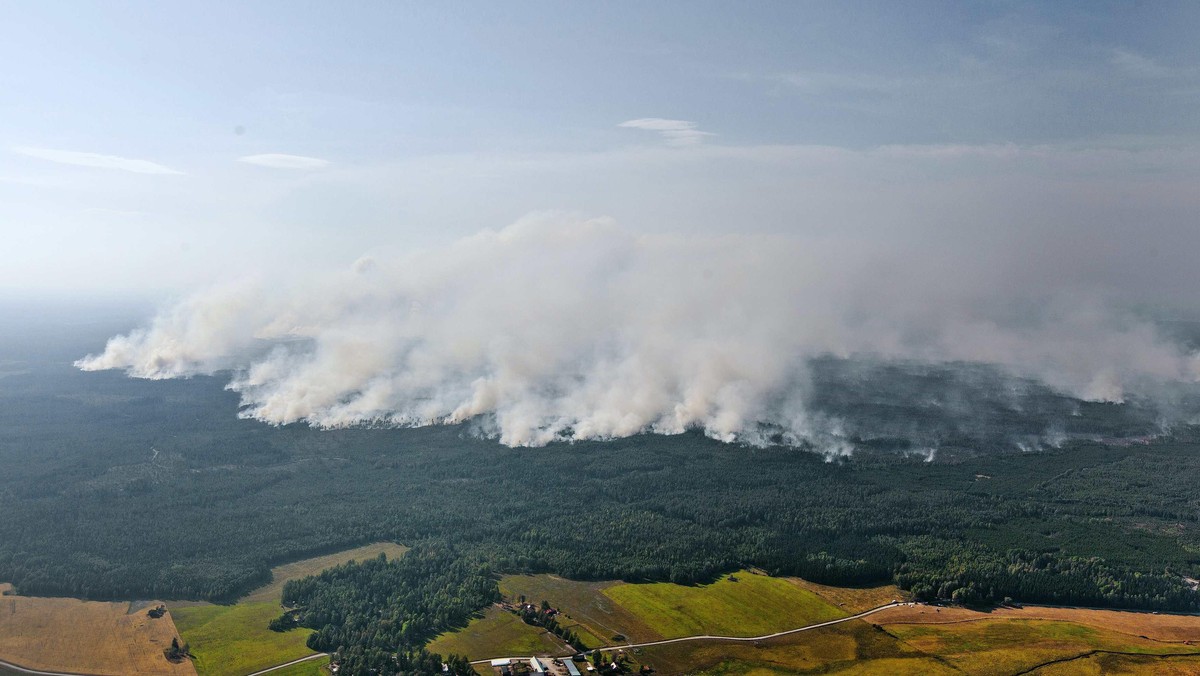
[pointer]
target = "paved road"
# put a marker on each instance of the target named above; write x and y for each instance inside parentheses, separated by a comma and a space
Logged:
(707, 637)
(288, 664)
(22, 670)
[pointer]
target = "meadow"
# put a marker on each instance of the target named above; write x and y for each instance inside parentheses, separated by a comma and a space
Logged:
(740, 604)
(745, 603)
(586, 610)
(315, 667)
(95, 637)
(927, 640)
(233, 640)
(497, 633)
(916, 639)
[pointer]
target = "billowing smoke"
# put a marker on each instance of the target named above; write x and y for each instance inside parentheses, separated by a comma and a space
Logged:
(563, 327)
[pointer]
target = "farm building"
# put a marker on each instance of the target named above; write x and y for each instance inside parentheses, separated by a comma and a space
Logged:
(572, 670)
(536, 665)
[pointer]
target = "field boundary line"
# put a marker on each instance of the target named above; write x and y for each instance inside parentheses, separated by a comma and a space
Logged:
(1090, 653)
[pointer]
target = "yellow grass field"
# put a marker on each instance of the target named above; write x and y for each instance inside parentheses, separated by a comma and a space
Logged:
(232, 640)
(1097, 665)
(1009, 640)
(60, 634)
(1161, 627)
(997, 646)
(854, 600)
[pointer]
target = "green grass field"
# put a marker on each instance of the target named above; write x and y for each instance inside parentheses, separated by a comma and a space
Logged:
(597, 611)
(497, 634)
(310, 668)
(233, 640)
(754, 605)
(586, 610)
(987, 644)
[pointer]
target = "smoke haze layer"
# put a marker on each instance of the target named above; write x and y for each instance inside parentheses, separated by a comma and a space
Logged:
(564, 327)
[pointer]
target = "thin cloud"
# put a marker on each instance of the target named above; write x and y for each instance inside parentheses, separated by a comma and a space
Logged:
(674, 132)
(845, 83)
(96, 160)
(282, 161)
(1140, 66)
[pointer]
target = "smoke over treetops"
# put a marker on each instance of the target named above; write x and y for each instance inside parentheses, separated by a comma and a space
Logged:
(564, 327)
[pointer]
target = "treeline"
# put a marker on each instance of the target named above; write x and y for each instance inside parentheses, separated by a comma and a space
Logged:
(547, 618)
(377, 615)
(974, 575)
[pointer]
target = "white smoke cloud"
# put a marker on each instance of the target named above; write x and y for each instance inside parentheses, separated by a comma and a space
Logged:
(563, 326)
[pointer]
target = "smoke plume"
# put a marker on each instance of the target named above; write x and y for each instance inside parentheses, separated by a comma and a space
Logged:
(563, 327)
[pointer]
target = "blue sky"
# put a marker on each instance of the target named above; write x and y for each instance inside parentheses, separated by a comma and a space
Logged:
(149, 147)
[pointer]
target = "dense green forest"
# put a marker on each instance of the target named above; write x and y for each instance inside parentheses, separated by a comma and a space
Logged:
(369, 612)
(119, 488)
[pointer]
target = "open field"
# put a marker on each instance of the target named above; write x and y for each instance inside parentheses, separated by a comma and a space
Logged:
(586, 609)
(315, 667)
(497, 633)
(914, 639)
(1010, 646)
(1160, 627)
(843, 646)
(598, 611)
(750, 606)
(853, 600)
(999, 646)
(60, 634)
(231, 640)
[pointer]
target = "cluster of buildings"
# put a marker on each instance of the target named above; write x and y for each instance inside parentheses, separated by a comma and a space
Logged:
(537, 666)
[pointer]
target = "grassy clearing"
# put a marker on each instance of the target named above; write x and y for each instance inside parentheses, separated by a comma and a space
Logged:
(497, 633)
(309, 668)
(753, 605)
(591, 614)
(299, 569)
(60, 634)
(235, 640)
(230, 640)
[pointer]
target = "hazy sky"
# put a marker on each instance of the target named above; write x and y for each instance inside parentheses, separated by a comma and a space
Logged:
(149, 148)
